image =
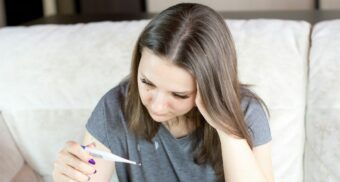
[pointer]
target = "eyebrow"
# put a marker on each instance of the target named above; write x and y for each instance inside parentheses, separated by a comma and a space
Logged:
(185, 92)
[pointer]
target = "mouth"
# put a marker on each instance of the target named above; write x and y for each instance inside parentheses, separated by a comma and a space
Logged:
(159, 115)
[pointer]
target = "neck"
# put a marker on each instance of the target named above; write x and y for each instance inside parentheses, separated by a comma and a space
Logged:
(179, 127)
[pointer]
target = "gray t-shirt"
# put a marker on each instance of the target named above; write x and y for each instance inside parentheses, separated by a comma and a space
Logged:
(166, 159)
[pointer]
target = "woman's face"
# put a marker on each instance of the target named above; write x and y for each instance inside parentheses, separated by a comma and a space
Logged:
(166, 90)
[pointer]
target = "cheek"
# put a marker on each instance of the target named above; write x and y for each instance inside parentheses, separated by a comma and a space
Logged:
(182, 107)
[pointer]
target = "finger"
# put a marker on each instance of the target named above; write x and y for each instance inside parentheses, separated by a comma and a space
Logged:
(197, 94)
(73, 161)
(70, 172)
(91, 145)
(75, 149)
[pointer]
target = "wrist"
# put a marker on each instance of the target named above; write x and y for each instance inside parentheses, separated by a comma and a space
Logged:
(225, 137)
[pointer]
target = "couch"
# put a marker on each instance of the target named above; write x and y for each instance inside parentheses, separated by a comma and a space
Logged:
(52, 76)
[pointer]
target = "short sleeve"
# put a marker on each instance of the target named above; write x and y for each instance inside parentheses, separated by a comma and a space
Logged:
(96, 124)
(257, 121)
(106, 122)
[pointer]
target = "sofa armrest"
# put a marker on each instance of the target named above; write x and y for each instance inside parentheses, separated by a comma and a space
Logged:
(26, 174)
(11, 159)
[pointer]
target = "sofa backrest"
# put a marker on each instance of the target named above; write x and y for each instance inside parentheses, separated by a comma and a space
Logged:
(51, 77)
(273, 56)
(322, 156)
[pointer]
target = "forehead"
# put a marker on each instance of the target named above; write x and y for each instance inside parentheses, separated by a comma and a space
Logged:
(164, 74)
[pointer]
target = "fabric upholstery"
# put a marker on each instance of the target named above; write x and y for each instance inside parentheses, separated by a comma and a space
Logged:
(11, 159)
(322, 157)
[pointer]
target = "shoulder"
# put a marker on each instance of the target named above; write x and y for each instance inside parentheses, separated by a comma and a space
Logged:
(256, 117)
(110, 107)
(115, 95)
(251, 103)
(106, 122)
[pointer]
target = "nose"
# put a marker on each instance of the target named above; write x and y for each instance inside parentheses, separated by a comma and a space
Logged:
(159, 103)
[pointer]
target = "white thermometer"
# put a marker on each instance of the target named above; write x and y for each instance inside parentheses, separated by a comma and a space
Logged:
(108, 156)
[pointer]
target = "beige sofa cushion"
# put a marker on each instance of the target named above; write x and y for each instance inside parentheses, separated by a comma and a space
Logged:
(52, 76)
(26, 174)
(322, 159)
(11, 159)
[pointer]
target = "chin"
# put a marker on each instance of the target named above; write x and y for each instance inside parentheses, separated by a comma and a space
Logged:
(159, 118)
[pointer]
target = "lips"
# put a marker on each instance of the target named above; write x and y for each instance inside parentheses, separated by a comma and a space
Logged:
(158, 114)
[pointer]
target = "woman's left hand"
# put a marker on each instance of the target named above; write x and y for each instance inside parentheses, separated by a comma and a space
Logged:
(201, 107)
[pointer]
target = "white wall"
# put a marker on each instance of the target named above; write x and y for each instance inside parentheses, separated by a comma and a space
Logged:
(330, 4)
(2, 13)
(237, 5)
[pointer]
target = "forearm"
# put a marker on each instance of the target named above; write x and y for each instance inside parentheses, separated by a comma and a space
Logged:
(239, 162)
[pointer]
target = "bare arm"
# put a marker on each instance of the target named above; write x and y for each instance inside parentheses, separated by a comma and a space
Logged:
(240, 163)
(105, 169)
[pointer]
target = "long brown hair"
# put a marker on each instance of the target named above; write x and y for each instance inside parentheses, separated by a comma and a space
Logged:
(196, 38)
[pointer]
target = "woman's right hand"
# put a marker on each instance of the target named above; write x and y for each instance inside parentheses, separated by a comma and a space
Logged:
(74, 163)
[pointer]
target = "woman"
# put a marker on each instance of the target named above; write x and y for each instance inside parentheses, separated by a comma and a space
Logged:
(181, 112)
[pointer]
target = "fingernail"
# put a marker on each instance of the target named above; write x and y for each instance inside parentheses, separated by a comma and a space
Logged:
(95, 172)
(91, 161)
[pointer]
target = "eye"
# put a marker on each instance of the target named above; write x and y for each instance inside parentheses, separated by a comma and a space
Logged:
(145, 82)
(181, 96)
